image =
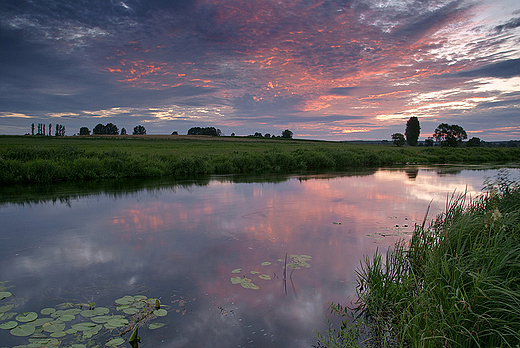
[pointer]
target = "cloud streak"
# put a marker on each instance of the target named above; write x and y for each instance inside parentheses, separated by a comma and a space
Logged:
(256, 66)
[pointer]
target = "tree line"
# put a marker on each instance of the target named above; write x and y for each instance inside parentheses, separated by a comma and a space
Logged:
(41, 128)
(445, 134)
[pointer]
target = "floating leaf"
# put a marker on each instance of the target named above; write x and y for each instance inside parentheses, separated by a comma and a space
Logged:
(8, 325)
(54, 326)
(116, 322)
(23, 330)
(160, 312)
(65, 305)
(140, 297)
(125, 300)
(43, 341)
(154, 326)
(47, 311)
(5, 294)
(27, 317)
(264, 277)
(254, 272)
(115, 341)
(105, 318)
(77, 346)
(236, 270)
(236, 280)
(41, 321)
(58, 334)
(266, 263)
(84, 326)
(95, 312)
(6, 308)
(131, 311)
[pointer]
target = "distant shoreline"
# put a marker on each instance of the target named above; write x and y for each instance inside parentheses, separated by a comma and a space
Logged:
(44, 159)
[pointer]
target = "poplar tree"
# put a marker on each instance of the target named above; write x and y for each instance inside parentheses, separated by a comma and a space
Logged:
(413, 129)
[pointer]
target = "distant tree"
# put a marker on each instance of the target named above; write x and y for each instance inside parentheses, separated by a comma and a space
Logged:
(60, 130)
(50, 129)
(84, 131)
(99, 129)
(428, 141)
(112, 129)
(175, 133)
(474, 142)
(123, 131)
(287, 134)
(413, 129)
(449, 135)
(267, 135)
(232, 134)
(139, 130)
(205, 131)
(398, 139)
(32, 129)
(258, 135)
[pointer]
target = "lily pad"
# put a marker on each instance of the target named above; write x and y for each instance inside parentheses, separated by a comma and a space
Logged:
(264, 277)
(236, 270)
(236, 280)
(131, 311)
(266, 263)
(27, 317)
(6, 308)
(58, 334)
(77, 346)
(54, 326)
(5, 294)
(47, 311)
(125, 300)
(116, 342)
(154, 326)
(8, 325)
(116, 322)
(23, 330)
(39, 340)
(244, 282)
(160, 312)
(87, 313)
(84, 326)
(254, 272)
(65, 305)
(41, 321)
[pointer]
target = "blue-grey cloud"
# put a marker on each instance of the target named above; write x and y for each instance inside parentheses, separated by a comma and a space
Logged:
(504, 69)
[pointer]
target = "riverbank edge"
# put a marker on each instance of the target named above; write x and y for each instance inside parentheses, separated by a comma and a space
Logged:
(30, 160)
(455, 284)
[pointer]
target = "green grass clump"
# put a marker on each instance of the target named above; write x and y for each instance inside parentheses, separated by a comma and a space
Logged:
(456, 285)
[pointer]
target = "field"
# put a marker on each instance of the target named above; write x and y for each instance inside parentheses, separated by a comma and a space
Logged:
(25, 159)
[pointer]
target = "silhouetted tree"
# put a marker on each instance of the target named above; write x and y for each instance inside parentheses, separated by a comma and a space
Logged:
(398, 139)
(60, 130)
(123, 131)
(450, 135)
(413, 129)
(99, 129)
(267, 135)
(50, 129)
(258, 135)
(139, 130)
(428, 141)
(205, 131)
(474, 142)
(84, 131)
(175, 133)
(287, 134)
(112, 129)
(32, 129)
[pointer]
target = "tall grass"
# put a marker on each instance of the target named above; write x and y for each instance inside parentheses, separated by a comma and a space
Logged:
(51, 159)
(457, 284)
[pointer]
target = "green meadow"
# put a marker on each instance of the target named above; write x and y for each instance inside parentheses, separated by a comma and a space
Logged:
(36, 159)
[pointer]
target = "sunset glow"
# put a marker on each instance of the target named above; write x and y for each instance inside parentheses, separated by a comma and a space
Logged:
(332, 70)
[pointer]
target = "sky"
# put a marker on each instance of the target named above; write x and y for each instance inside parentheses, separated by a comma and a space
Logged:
(325, 69)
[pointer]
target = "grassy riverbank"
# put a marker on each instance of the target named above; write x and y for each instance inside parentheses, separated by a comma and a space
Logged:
(455, 285)
(25, 159)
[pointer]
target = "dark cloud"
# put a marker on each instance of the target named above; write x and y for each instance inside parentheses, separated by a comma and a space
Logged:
(504, 69)
(511, 24)
(343, 91)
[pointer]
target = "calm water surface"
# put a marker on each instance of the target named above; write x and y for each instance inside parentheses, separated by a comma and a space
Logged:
(181, 244)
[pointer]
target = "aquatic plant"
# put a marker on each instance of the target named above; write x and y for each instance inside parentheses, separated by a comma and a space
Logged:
(455, 284)
(75, 324)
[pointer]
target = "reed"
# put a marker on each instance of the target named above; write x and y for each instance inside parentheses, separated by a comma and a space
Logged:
(454, 285)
